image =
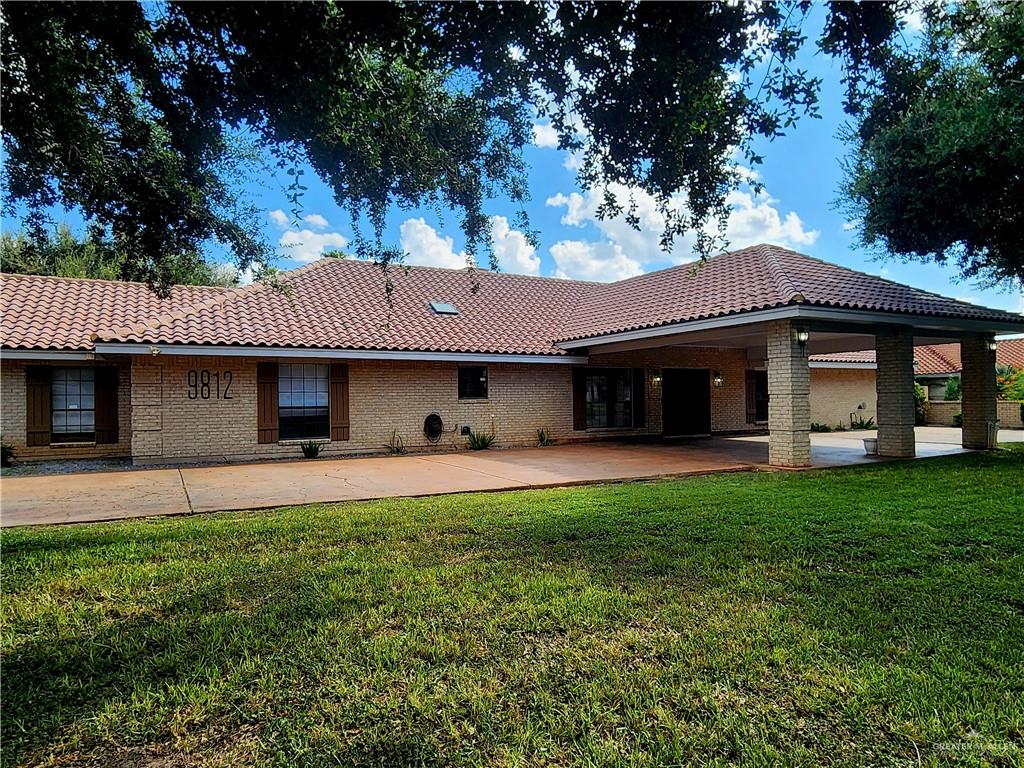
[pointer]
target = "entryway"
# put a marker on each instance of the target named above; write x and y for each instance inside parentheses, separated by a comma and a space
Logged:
(686, 401)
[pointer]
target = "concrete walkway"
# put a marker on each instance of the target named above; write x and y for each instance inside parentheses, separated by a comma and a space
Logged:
(43, 499)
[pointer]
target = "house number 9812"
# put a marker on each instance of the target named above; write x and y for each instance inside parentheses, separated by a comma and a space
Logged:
(205, 384)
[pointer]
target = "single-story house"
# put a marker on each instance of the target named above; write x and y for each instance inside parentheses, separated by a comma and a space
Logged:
(846, 380)
(95, 368)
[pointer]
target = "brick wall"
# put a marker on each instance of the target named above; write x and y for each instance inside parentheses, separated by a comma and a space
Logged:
(1008, 412)
(978, 391)
(388, 397)
(894, 385)
(789, 404)
(836, 393)
(12, 417)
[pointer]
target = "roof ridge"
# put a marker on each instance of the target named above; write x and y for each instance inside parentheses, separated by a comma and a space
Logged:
(467, 270)
(784, 283)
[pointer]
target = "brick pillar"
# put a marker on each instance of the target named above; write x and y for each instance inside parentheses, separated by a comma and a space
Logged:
(978, 391)
(894, 385)
(789, 399)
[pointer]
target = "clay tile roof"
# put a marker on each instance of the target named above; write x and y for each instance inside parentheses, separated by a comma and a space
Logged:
(863, 356)
(341, 303)
(41, 312)
(935, 359)
(758, 277)
(1010, 352)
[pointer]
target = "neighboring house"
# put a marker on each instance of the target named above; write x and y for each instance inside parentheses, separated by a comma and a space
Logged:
(99, 368)
(938, 363)
(846, 381)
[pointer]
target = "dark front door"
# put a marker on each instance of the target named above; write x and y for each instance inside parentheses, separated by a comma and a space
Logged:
(686, 401)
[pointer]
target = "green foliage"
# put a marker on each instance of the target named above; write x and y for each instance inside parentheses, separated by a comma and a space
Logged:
(816, 427)
(6, 455)
(62, 254)
(859, 422)
(938, 143)
(311, 448)
(840, 427)
(544, 438)
(921, 406)
(1007, 380)
(1014, 389)
(953, 388)
(382, 633)
(480, 441)
(151, 122)
(958, 419)
(396, 445)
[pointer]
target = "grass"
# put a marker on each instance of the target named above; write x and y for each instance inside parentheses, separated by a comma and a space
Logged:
(868, 616)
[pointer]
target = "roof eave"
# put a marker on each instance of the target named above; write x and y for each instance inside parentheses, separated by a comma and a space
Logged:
(803, 312)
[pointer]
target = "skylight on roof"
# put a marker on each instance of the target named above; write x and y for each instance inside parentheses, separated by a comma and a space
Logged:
(443, 308)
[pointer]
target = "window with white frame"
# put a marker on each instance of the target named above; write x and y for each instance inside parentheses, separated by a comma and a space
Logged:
(73, 405)
(303, 404)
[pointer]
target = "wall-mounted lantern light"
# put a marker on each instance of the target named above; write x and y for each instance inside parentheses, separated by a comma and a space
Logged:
(993, 345)
(803, 336)
(717, 379)
(656, 377)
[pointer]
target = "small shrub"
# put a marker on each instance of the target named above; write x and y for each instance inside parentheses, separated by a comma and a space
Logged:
(544, 438)
(396, 446)
(311, 449)
(953, 388)
(6, 455)
(816, 427)
(859, 422)
(958, 419)
(921, 406)
(481, 441)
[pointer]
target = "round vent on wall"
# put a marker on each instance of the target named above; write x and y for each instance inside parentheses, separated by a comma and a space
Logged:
(433, 427)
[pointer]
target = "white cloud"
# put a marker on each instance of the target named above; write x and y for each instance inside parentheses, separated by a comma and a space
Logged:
(305, 244)
(754, 219)
(545, 136)
(424, 246)
(514, 252)
(593, 261)
(315, 220)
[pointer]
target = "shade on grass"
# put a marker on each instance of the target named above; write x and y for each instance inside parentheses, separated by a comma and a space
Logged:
(871, 615)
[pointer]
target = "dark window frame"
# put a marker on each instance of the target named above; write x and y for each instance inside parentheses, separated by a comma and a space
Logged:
(467, 378)
(610, 405)
(309, 419)
(61, 390)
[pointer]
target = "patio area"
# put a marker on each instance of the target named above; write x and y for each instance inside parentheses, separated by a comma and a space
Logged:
(130, 493)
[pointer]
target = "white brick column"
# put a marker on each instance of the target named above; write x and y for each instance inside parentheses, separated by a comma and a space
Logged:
(894, 386)
(978, 391)
(789, 399)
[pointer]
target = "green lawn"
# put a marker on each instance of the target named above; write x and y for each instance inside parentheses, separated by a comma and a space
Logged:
(861, 616)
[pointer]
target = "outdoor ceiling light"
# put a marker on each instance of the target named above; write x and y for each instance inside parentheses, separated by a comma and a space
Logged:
(716, 379)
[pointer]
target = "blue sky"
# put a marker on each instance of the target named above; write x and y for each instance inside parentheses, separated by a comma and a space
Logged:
(801, 174)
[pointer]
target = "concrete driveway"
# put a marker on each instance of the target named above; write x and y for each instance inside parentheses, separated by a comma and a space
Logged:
(84, 497)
